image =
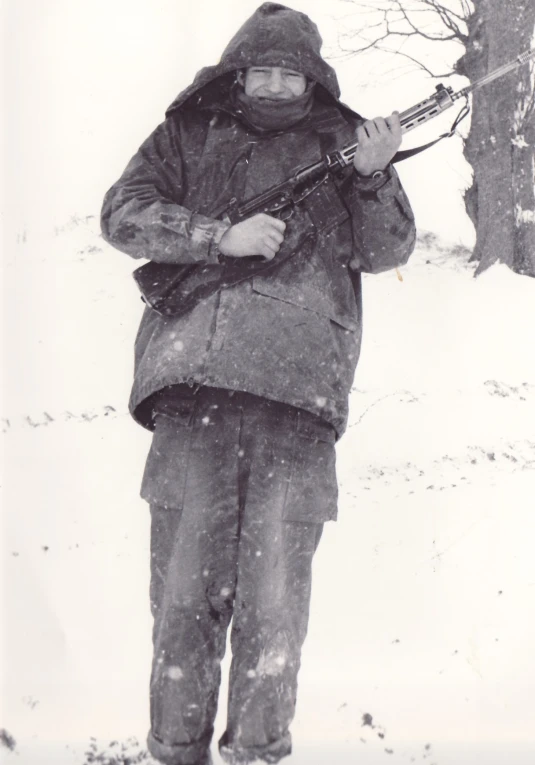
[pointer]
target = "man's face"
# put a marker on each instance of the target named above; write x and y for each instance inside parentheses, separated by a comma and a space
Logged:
(272, 82)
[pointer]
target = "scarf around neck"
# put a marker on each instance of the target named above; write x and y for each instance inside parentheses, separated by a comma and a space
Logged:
(264, 115)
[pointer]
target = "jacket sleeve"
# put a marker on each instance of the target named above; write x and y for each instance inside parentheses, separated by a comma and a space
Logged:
(384, 232)
(142, 214)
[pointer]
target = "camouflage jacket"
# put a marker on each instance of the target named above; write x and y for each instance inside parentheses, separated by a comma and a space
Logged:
(292, 335)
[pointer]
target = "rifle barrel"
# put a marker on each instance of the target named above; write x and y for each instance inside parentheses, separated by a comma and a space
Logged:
(523, 58)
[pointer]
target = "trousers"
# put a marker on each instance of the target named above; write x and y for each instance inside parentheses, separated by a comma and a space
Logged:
(239, 488)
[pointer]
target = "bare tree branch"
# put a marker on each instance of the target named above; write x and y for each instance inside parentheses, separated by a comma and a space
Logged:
(447, 18)
(455, 33)
(402, 21)
(446, 13)
(468, 8)
(422, 66)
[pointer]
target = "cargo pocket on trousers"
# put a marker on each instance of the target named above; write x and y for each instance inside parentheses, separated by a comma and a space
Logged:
(164, 479)
(312, 495)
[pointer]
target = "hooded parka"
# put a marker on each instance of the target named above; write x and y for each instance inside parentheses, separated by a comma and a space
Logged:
(241, 471)
(292, 335)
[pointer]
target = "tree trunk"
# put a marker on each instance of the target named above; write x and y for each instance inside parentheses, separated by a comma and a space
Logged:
(501, 143)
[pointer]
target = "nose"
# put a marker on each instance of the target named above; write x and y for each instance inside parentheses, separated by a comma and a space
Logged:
(275, 83)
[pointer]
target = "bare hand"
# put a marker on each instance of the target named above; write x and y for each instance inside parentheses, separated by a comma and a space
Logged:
(260, 235)
(378, 141)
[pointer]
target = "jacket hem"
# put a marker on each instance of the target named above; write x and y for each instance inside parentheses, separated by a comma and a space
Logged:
(139, 404)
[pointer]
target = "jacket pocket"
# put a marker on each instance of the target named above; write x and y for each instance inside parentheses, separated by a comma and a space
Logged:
(307, 283)
(164, 478)
(312, 495)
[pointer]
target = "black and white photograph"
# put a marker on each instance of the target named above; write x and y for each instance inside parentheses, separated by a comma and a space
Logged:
(268, 402)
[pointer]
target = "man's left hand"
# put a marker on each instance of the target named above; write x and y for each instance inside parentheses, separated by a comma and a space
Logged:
(378, 141)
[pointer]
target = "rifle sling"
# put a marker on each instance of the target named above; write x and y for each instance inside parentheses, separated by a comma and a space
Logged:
(407, 153)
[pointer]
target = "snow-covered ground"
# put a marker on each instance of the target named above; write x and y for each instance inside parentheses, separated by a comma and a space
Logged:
(422, 613)
(420, 647)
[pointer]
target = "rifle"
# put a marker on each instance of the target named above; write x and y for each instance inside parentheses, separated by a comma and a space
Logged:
(172, 289)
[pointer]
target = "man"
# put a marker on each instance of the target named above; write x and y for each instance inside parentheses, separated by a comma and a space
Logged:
(247, 391)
